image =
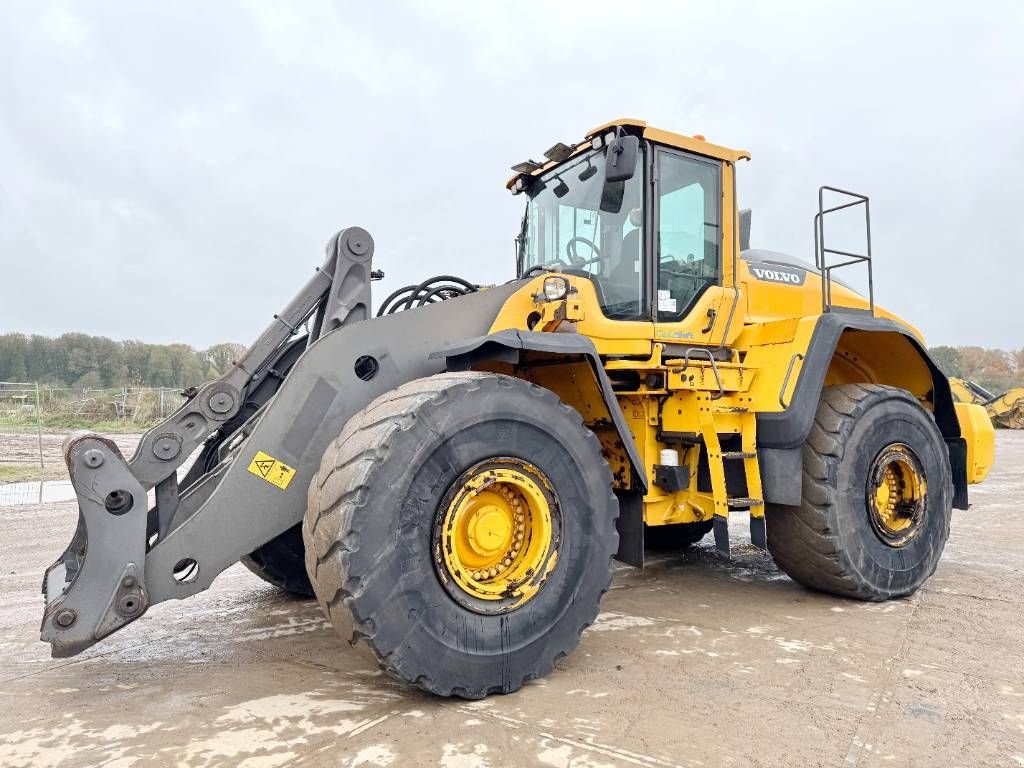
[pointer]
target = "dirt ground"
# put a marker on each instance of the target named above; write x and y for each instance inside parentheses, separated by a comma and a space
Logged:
(693, 661)
(20, 455)
(24, 449)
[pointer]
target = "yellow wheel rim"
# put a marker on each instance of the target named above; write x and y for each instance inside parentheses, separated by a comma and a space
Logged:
(496, 540)
(896, 494)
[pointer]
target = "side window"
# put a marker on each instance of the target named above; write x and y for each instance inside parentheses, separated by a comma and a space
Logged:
(689, 237)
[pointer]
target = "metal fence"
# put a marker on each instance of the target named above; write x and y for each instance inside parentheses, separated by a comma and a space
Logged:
(20, 409)
(33, 407)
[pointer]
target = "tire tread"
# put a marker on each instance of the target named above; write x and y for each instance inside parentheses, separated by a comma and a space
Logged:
(800, 538)
(338, 494)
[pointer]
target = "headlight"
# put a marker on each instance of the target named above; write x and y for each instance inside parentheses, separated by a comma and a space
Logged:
(555, 288)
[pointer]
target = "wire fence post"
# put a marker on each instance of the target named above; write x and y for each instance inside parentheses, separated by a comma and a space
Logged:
(39, 425)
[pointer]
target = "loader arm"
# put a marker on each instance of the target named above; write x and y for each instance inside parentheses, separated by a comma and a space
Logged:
(127, 555)
(1007, 409)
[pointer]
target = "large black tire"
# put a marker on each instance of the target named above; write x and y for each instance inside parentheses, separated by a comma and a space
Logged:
(281, 562)
(664, 538)
(374, 505)
(829, 542)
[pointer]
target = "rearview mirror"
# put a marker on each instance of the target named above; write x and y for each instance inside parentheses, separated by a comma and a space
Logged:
(620, 162)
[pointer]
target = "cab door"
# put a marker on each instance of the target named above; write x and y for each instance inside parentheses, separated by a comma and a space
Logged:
(690, 304)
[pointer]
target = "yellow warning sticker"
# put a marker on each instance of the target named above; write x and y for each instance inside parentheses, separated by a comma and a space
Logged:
(270, 469)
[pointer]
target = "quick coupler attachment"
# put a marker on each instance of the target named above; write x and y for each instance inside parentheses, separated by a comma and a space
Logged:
(97, 586)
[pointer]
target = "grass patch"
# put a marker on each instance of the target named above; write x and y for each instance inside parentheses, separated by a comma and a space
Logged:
(19, 473)
(59, 425)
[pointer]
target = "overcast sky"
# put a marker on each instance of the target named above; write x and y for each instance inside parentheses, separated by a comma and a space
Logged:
(171, 171)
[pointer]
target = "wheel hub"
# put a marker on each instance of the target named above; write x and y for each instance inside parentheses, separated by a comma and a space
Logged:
(896, 494)
(489, 530)
(495, 540)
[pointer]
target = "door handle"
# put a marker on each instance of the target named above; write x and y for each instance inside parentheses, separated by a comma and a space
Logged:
(712, 315)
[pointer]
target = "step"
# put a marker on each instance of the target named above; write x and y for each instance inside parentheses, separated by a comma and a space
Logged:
(680, 438)
(727, 455)
(731, 409)
(741, 503)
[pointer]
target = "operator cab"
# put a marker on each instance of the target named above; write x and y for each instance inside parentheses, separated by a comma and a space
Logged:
(580, 221)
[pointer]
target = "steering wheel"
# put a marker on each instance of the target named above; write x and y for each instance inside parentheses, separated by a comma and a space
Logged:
(574, 259)
(686, 270)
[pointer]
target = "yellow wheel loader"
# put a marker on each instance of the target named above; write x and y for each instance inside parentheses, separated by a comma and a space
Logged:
(1005, 410)
(452, 477)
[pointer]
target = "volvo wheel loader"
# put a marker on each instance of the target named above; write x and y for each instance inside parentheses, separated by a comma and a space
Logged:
(452, 478)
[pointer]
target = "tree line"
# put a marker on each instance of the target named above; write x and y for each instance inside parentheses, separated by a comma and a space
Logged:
(83, 361)
(93, 362)
(995, 369)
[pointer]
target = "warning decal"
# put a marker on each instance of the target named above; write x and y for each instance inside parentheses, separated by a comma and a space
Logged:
(270, 469)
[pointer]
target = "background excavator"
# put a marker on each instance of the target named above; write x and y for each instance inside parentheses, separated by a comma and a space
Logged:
(452, 478)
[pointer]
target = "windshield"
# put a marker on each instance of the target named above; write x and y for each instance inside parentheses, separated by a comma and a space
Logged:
(576, 222)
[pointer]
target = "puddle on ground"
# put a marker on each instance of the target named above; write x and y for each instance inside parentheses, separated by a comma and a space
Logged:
(36, 492)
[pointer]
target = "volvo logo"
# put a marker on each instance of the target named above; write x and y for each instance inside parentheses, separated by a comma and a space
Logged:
(776, 274)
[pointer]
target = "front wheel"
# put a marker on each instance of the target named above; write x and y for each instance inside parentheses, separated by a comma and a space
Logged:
(877, 497)
(462, 527)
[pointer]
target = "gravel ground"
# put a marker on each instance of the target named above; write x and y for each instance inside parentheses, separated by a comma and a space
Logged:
(693, 661)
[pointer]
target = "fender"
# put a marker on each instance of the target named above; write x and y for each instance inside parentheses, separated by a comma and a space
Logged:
(526, 348)
(780, 435)
(567, 353)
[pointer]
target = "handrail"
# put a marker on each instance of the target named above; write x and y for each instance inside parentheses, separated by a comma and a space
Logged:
(785, 381)
(821, 249)
(714, 367)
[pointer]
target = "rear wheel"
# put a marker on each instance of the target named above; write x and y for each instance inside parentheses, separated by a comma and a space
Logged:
(462, 527)
(877, 497)
(281, 562)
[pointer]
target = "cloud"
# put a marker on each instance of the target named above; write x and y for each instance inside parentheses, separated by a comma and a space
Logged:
(171, 172)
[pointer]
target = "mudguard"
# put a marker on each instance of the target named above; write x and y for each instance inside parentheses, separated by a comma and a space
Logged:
(514, 347)
(780, 435)
(525, 348)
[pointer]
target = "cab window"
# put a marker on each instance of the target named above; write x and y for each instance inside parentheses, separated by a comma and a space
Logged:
(577, 223)
(689, 237)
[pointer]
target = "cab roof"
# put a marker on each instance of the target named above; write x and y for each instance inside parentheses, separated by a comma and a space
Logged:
(696, 144)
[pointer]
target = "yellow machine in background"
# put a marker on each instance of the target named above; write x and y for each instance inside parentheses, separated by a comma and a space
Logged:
(1005, 410)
